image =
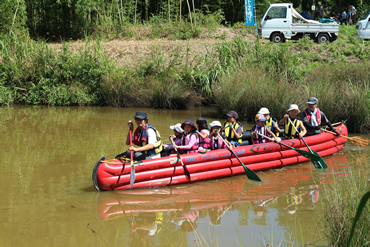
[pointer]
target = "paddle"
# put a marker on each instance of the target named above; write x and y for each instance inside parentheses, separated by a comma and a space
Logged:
(187, 174)
(132, 173)
(311, 156)
(250, 174)
(320, 164)
(359, 141)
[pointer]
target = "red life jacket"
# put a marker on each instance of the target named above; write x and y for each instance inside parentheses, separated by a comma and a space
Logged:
(318, 116)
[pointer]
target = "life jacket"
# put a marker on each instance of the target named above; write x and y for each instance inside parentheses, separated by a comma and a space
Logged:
(194, 148)
(258, 138)
(318, 115)
(269, 124)
(289, 131)
(140, 138)
(217, 143)
(230, 134)
(204, 142)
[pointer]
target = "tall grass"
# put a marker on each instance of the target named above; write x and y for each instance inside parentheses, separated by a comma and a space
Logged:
(239, 75)
(341, 200)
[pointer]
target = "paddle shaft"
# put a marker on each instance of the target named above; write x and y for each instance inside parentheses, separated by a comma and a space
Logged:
(132, 173)
(250, 174)
(187, 174)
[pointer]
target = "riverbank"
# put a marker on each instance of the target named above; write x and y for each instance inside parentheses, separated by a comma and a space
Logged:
(226, 69)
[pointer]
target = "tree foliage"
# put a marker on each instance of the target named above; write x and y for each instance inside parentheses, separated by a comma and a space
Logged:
(72, 19)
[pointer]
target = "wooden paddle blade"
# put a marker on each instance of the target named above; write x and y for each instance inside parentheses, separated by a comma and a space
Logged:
(359, 141)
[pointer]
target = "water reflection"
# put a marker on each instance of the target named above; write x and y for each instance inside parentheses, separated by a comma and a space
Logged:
(48, 198)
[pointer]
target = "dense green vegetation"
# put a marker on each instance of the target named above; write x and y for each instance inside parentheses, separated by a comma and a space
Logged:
(240, 75)
(341, 201)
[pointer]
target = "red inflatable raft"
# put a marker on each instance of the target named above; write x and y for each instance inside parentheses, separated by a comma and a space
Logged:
(115, 175)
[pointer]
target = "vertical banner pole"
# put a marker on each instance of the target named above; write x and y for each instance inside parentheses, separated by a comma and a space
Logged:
(250, 14)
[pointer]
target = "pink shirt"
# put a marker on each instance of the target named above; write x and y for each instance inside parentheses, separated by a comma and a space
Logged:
(191, 142)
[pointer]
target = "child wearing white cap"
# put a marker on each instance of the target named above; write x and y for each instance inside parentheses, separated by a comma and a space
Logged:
(270, 121)
(289, 130)
(216, 141)
(176, 137)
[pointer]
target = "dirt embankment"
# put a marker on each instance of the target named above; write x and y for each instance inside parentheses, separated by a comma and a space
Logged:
(130, 52)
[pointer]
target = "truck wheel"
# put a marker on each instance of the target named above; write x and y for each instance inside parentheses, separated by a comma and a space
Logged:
(277, 38)
(322, 38)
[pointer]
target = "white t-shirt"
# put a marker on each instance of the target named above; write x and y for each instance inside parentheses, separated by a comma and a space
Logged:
(152, 139)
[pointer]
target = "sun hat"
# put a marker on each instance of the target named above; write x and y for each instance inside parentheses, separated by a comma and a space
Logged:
(293, 107)
(190, 122)
(232, 114)
(264, 111)
(177, 127)
(140, 115)
(260, 117)
(312, 101)
(216, 124)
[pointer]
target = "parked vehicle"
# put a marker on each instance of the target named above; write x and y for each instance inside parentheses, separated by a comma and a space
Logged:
(363, 28)
(281, 21)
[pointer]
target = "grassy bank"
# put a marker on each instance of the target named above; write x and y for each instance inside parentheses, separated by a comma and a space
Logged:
(341, 200)
(236, 74)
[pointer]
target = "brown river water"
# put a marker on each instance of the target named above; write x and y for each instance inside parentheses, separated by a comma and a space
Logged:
(47, 196)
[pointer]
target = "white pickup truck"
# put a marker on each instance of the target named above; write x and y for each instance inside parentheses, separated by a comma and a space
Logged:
(281, 21)
(363, 28)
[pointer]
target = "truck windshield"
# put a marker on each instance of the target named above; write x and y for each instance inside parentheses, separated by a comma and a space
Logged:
(277, 12)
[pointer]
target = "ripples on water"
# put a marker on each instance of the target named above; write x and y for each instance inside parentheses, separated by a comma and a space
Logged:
(48, 198)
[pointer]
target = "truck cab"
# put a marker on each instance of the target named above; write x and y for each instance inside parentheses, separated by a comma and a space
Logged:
(277, 17)
(363, 28)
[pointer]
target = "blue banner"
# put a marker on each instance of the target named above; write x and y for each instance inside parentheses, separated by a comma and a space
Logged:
(249, 12)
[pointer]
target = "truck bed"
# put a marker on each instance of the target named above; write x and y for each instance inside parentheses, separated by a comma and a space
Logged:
(314, 28)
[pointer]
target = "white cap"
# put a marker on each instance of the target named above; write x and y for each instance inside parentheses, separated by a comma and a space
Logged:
(264, 111)
(177, 127)
(293, 107)
(215, 123)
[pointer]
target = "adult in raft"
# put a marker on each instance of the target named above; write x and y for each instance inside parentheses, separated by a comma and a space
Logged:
(233, 129)
(146, 137)
(190, 140)
(289, 130)
(312, 118)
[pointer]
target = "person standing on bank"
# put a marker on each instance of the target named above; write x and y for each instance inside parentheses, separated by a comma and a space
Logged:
(233, 129)
(312, 118)
(146, 137)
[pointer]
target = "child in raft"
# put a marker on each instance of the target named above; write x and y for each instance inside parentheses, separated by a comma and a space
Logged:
(271, 122)
(233, 129)
(289, 131)
(203, 132)
(176, 137)
(190, 140)
(261, 129)
(216, 141)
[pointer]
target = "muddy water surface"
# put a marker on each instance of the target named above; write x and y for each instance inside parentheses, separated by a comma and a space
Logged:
(47, 197)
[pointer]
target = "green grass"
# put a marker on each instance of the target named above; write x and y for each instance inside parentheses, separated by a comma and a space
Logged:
(341, 202)
(239, 74)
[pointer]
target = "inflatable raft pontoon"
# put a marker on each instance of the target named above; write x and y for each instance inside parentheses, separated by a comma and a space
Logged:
(165, 171)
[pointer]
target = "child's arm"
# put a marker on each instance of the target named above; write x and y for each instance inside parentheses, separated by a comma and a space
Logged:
(204, 136)
(304, 131)
(282, 121)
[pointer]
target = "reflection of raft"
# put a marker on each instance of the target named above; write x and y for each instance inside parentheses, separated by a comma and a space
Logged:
(166, 171)
(226, 192)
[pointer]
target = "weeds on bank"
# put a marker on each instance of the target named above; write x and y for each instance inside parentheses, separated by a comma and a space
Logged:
(341, 201)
